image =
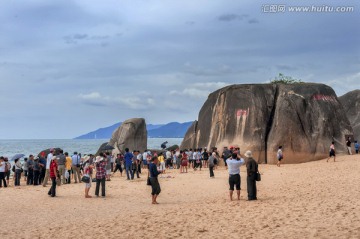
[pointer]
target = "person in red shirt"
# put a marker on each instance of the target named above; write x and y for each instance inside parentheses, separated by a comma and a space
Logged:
(53, 174)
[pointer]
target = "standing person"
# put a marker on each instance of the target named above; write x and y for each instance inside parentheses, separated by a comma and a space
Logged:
(205, 157)
(139, 161)
(225, 155)
(37, 171)
(184, 162)
(128, 164)
(178, 155)
(3, 169)
(234, 174)
(168, 163)
(145, 159)
(155, 186)
(76, 167)
(252, 170)
(332, 151)
(279, 155)
(348, 145)
(25, 169)
(30, 167)
(68, 164)
(53, 174)
(8, 171)
(190, 158)
(118, 162)
(112, 162)
(357, 146)
(18, 168)
(61, 166)
(47, 172)
(108, 167)
(42, 164)
(134, 166)
(161, 160)
(211, 164)
(87, 169)
(100, 165)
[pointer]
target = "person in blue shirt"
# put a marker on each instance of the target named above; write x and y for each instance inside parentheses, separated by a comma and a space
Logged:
(356, 147)
(155, 186)
(128, 162)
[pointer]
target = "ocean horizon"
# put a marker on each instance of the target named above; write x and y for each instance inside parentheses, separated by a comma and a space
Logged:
(10, 147)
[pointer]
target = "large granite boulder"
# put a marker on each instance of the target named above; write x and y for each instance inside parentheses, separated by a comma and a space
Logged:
(351, 104)
(303, 118)
(131, 134)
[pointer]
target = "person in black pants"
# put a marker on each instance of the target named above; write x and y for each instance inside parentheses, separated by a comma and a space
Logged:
(30, 166)
(252, 170)
(100, 165)
(2, 174)
(118, 164)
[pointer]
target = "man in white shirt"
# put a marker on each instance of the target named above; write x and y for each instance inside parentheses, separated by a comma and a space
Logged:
(48, 161)
(234, 164)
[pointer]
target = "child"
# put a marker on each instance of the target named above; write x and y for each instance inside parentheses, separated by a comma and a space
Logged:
(87, 169)
(280, 156)
(332, 151)
(356, 147)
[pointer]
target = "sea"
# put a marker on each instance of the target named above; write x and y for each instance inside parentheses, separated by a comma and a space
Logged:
(9, 148)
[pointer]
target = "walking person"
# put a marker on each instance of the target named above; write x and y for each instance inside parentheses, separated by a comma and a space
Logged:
(348, 145)
(280, 156)
(211, 164)
(332, 152)
(118, 164)
(100, 165)
(3, 169)
(128, 164)
(233, 165)
(252, 170)
(155, 186)
(47, 166)
(76, 167)
(18, 169)
(134, 166)
(53, 175)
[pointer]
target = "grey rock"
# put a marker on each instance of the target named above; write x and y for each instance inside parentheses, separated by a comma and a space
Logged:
(351, 104)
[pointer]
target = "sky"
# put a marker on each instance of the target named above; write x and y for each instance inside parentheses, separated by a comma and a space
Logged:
(70, 67)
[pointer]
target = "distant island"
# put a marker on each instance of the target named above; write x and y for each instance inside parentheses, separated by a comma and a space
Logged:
(170, 130)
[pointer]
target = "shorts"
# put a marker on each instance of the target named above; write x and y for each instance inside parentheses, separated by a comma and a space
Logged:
(7, 175)
(234, 180)
(162, 166)
(332, 153)
(155, 186)
(280, 158)
(108, 171)
(145, 162)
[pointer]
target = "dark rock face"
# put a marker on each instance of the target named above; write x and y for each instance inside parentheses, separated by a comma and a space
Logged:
(303, 118)
(351, 104)
(131, 134)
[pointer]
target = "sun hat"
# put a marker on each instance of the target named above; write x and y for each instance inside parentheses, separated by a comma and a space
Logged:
(213, 154)
(248, 154)
(54, 157)
(99, 159)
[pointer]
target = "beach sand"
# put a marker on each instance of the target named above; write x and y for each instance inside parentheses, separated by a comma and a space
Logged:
(311, 200)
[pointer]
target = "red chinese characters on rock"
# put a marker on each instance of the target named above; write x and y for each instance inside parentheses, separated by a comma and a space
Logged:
(241, 112)
(321, 97)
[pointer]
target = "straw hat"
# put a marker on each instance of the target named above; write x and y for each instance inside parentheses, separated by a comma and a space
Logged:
(248, 154)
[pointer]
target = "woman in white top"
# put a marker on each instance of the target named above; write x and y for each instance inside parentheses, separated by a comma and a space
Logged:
(2, 172)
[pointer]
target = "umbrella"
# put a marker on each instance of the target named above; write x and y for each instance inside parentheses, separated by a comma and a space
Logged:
(17, 156)
(47, 151)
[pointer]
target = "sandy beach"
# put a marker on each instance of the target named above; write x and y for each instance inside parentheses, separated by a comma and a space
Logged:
(310, 200)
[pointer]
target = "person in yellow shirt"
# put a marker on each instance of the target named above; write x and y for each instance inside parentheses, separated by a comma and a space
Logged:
(162, 162)
(68, 164)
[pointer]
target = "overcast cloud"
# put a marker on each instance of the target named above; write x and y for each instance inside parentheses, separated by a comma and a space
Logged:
(69, 67)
